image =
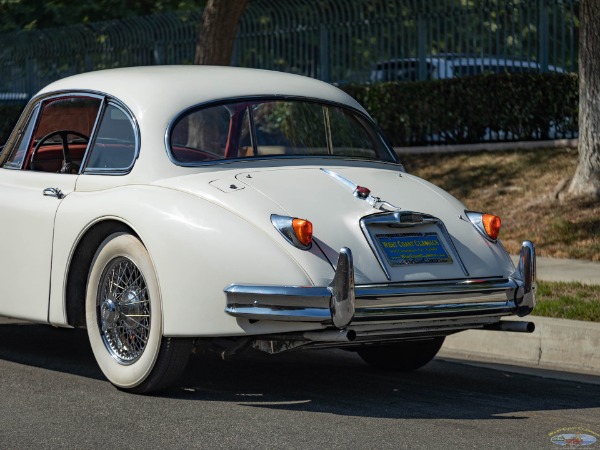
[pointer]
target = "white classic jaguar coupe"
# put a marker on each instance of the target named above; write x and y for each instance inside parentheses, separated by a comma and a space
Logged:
(164, 208)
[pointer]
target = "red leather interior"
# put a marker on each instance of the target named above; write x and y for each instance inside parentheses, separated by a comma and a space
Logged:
(49, 158)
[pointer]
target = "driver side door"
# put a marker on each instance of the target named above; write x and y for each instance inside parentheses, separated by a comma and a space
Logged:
(39, 169)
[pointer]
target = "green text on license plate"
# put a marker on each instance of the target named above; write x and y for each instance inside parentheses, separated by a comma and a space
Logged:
(413, 248)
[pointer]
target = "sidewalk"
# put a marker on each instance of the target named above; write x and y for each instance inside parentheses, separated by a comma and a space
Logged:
(555, 269)
(556, 344)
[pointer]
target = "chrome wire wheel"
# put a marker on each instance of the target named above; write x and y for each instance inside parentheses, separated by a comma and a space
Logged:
(124, 310)
(123, 316)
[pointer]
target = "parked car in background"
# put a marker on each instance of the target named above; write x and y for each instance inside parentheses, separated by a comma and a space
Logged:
(164, 208)
(13, 97)
(449, 66)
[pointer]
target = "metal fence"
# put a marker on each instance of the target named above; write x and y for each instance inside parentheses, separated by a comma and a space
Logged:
(338, 41)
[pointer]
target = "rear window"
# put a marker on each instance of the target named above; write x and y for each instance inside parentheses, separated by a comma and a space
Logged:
(273, 128)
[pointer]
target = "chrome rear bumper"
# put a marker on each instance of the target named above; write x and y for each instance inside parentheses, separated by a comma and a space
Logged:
(342, 303)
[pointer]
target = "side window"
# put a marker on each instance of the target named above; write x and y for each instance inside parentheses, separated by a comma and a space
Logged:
(62, 134)
(114, 148)
(15, 161)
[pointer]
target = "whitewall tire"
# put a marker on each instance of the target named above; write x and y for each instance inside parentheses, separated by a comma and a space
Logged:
(124, 319)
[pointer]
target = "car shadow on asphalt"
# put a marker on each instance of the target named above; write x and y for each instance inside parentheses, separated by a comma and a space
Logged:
(58, 349)
(339, 382)
(329, 381)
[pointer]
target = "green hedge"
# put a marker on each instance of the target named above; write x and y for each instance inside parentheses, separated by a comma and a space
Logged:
(9, 114)
(473, 109)
(455, 111)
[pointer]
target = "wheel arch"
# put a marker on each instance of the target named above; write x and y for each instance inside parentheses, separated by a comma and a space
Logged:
(81, 262)
(176, 235)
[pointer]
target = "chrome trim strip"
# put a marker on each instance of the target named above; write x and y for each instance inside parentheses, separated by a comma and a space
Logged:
(92, 139)
(345, 181)
(428, 311)
(112, 101)
(277, 297)
(341, 303)
(317, 315)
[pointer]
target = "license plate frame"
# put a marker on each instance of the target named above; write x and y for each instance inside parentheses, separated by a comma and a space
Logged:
(402, 249)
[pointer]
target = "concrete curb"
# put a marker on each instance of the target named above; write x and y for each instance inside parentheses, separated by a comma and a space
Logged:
(556, 344)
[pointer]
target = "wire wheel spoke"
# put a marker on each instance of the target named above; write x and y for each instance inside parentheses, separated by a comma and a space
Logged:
(124, 310)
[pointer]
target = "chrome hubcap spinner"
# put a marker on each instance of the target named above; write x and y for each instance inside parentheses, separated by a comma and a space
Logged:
(123, 310)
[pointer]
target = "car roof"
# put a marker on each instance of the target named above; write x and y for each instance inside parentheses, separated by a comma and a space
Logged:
(175, 88)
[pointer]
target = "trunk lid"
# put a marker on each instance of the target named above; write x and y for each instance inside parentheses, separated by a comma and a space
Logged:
(452, 248)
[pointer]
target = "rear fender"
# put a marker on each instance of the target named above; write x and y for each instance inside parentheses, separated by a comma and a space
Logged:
(197, 247)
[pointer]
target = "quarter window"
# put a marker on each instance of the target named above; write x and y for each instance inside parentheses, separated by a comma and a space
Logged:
(115, 143)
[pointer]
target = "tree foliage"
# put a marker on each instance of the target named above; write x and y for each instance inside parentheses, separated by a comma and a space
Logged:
(18, 15)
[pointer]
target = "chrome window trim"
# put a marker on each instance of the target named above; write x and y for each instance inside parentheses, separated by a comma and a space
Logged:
(30, 114)
(111, 101)
(93, 135)
(40, 100)
(377, 131)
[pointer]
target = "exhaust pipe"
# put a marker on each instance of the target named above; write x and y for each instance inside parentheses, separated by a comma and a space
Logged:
(330, 335)
(513, 326)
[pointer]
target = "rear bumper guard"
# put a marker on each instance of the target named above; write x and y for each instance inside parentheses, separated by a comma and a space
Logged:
(342, 303)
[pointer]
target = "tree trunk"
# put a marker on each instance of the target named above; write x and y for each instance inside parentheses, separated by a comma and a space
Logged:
(587, 176)
(217, 32)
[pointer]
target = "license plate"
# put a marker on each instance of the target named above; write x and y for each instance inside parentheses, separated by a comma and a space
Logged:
(413, 248)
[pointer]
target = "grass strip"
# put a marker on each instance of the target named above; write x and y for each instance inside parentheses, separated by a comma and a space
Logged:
(561, 300)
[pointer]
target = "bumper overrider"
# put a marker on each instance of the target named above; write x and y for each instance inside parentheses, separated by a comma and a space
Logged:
(342, 302)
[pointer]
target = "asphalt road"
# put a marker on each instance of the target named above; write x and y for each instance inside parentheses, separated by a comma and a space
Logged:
(52, 395)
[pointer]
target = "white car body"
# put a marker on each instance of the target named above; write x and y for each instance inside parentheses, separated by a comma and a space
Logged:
(222, 268)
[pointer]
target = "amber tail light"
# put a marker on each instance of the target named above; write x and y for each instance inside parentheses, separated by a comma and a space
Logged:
(297, 232)
(487, 224)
